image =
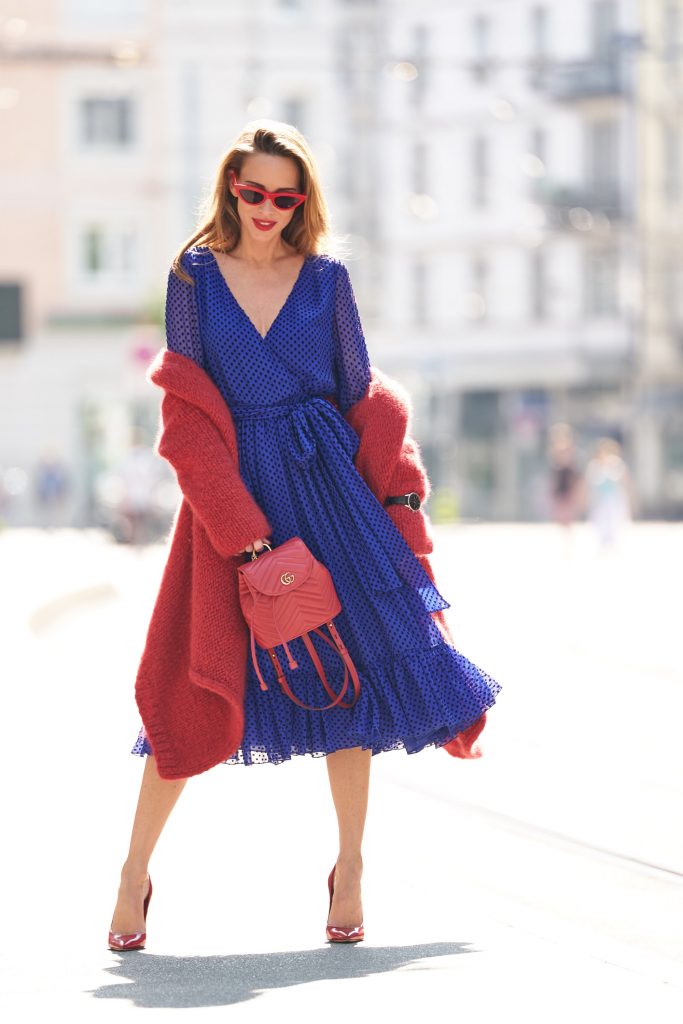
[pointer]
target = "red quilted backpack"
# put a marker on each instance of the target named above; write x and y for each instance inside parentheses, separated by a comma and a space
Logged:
(284, 593)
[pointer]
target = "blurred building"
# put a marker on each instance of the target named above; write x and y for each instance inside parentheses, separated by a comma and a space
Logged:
(657, 424)
(508, 173)
(530, 239)
(85, 200)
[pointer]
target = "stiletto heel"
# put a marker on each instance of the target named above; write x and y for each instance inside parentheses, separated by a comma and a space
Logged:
(136, 940)
(334, 933)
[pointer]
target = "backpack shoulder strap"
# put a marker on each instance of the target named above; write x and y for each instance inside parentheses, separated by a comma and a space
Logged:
(348, 665)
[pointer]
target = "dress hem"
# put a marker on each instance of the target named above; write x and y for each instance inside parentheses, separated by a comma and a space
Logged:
(471, 686)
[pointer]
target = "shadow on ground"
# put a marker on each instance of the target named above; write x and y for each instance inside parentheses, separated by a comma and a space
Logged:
(168, 981)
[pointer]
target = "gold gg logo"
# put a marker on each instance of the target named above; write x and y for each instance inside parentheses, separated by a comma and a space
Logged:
(287, 577)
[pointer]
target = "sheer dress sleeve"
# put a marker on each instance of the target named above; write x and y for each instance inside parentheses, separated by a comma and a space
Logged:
(182, 317)
(352, 362)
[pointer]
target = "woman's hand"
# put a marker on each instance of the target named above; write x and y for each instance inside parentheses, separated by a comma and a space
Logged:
(256, 545)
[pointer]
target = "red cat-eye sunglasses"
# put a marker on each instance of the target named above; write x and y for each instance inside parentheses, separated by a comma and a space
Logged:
(256, 196)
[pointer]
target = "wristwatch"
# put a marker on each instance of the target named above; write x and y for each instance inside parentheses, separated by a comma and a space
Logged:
(412, 500)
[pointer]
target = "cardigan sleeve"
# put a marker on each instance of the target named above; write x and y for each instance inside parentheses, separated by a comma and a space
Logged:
(351, 359)
(209, 477)
(183, 333)
(410, 474)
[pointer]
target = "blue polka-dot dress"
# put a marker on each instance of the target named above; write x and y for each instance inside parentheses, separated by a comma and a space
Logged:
(296, 457)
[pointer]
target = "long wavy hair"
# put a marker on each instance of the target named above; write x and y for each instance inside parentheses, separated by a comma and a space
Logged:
(309, 230)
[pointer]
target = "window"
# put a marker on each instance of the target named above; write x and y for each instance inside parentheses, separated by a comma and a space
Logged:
(481, 47)
(93, 250)
(106, 16)
(420, 291)
(294, 112)
(671, 24)
(600, 283)
(107, 121)
(419, 86)
(343, 59)
(108, 252)
(480, 170)
(672, 295)
(480, 415)
(603, 27)
(538, 144)
(535, 165)
(671, 33)
(539, 46)
(480, 288)
(419, 168)
(11, 327)
(539, 290)
(603, 157)
(671, 151)
(539, 33)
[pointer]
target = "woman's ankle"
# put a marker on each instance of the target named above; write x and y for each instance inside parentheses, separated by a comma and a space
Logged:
(350, 862)
(134, 873)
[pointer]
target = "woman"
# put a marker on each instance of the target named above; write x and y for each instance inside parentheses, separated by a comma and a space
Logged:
(255, 300)
(610, 496)
(566, 484)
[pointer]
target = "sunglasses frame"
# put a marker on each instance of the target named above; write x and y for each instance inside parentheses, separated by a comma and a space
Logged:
(240, 186)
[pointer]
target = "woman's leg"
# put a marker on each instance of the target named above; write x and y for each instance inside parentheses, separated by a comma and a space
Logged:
(156, 801)
(349, 773)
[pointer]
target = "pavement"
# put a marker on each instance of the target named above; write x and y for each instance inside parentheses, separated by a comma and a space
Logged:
(544, 880)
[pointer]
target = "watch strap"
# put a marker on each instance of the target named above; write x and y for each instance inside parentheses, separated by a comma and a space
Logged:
(403, 499)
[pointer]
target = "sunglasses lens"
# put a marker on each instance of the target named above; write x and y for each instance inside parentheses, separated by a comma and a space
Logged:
(252, 196)
(286, 202)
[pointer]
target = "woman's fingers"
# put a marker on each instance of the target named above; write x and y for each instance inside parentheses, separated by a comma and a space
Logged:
(256, 545)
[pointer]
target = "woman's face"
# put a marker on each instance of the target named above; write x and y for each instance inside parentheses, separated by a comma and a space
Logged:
(274, 174)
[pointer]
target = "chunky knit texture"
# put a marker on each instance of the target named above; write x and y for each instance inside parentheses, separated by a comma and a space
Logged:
(190, 682)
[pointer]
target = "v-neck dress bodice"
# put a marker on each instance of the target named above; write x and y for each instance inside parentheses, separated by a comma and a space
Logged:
(232, 297)
(296, 456)
(310, 349)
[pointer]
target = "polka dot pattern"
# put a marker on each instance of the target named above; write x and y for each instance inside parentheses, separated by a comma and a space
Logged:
(296, 454)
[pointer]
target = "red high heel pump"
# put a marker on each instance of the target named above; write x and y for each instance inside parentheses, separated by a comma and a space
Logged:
(136, 940)
(334, 933)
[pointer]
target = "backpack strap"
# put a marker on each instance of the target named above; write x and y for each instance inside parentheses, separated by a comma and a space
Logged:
(254, 660)
(342, 651)
(348, 665)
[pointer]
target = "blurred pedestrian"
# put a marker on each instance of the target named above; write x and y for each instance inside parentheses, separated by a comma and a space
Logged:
(139, 471)
(610, 496)
(566, 480)
(51, 488)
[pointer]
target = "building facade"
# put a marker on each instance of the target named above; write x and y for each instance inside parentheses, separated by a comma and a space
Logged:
(531, 241)
(507, 174)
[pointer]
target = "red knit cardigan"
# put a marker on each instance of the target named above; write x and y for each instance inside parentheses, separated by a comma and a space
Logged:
(190, 681)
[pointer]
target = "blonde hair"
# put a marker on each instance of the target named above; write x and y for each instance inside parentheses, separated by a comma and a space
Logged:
(309, 230)
(607, 446)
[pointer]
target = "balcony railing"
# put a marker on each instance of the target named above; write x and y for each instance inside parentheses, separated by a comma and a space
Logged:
(574, 206)
(590, 79)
